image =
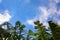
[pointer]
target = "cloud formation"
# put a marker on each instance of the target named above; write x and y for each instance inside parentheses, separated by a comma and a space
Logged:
(30, 22)
(5, 16)
(52, 12)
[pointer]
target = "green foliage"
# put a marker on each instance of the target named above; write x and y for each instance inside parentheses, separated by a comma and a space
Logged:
(12, 33)
(4, 34)
(17, 32)
(41, 34)
(55, 30)
(30, 32)
(18, 23)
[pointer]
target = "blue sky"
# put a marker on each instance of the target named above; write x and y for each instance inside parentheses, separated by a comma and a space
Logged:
(28, 11)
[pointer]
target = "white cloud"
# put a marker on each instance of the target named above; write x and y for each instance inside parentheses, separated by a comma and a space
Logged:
(31, 22)
(44, 11)
(51, 12)
(48, 12)
(5, 17)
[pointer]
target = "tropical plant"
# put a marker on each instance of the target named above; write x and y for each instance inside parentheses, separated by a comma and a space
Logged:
(19, 29)
(42, 33)
(4, 33)
(30, 35)
(55, 30)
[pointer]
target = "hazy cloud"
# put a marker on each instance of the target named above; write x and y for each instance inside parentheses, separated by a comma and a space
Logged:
(51, 12)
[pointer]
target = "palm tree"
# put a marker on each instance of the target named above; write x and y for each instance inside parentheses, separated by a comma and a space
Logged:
(4, 34)
(30, 35)
(19, 28)
(41, 34)
(55, 30)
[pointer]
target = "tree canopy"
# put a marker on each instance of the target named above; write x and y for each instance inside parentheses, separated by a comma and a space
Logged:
(17, 32)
